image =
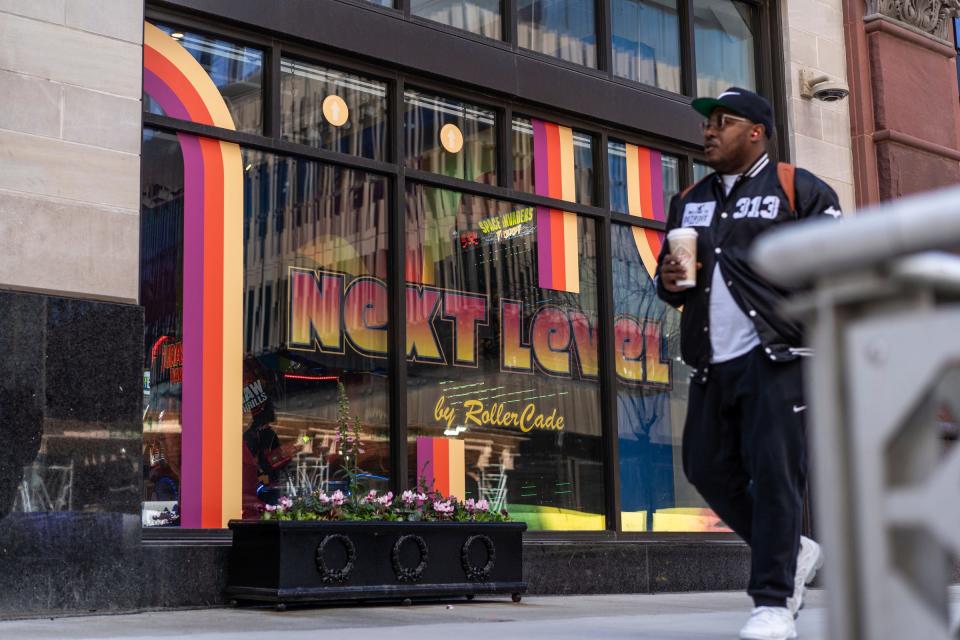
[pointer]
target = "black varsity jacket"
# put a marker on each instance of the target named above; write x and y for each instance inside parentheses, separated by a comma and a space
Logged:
(727, 227)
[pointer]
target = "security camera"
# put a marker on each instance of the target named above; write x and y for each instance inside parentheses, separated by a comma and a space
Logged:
(821, 87)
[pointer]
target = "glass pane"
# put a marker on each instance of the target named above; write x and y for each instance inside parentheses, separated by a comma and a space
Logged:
(700, 171)
(552, 160)
(314, 313)
(477, 16)
(450, 137)
(642, 180)
(502, 360)
(646, 42)
(723, 33)
(333, 110)
(236, 70)
(161, 294)
(565, 29)
(652, 392)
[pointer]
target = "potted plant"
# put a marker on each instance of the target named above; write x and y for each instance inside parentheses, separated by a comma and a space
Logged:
(367, 545)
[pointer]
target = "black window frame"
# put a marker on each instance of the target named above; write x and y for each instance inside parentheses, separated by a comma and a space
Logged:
(216, 22)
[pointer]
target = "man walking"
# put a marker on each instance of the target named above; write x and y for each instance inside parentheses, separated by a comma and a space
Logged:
(743, 445)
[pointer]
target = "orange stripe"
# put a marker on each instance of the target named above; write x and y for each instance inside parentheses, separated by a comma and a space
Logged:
(212, 395)
(178, 83)
(555, 177)
(646, 189)
(654, 240)
(441, 465)
(556, 249)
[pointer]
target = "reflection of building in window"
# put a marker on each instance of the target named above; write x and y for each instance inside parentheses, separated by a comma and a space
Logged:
(477, 16)
(646, 42)
(723, 34)
(565, 29)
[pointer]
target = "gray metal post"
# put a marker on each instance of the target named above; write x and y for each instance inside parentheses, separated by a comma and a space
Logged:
(884, 321)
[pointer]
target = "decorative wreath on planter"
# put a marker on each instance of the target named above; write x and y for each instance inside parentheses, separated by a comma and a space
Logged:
(405, 574)
(327, 574)
(478, 574)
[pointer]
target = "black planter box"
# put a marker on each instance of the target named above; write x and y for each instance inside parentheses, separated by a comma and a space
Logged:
(290, 562)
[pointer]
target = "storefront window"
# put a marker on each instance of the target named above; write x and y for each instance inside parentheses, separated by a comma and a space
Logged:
(503, 399)
(652, 392)
(450, 137)
(236, 70)
(314, 260)
(552, 160)
(646, 42)
(565, 29)
(477, 16)
(642, 180)
(333, 110)
(723, 37)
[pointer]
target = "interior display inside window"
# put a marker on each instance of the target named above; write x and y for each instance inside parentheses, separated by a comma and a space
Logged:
(723, 35)
(450, 137)
(552, 160)
(333, 110)
(235, 70)
(502, 356)
(314, 259)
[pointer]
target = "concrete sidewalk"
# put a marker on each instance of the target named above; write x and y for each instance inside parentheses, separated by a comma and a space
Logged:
(700, 616)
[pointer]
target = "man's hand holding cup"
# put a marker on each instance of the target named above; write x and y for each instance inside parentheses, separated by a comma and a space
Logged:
(679, 269)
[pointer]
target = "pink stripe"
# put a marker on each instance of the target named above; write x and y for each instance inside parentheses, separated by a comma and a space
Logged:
(157, 89)
(192, 399)
(656, 185)
(544, 249)
(425, 465)
(541, 158)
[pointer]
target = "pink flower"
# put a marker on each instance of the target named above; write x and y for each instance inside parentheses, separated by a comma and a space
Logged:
(443, 508)
(386, 500)
(470, 505)
(370, 497)
(483, 505)
(323, 498)
(286, 502)
(408, 497)
(271, 508)
(337, 498)
(421, 498)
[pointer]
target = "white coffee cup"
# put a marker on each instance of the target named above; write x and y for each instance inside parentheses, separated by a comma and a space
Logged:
(683, 245)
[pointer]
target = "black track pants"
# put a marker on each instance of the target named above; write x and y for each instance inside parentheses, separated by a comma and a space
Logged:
(745, 452)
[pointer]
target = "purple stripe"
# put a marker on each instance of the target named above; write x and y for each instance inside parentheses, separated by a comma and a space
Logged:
(425, 466)
(163, 95)
(656, 185)
(544, 249)
(541, 159)
(192, 400)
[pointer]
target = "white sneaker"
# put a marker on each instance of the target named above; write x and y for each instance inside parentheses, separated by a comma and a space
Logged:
(769, 623)
(809, 561)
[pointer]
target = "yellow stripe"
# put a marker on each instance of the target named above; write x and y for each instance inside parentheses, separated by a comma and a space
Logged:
(571, 261)
(232, 331)
(634, 207)
(646, 253)
(568, 182)
(189, 67)
(457, 469)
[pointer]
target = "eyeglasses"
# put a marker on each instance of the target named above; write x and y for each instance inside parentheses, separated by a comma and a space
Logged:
(721, 122)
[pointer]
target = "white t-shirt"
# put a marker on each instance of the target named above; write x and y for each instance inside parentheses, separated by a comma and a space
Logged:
(732, 333)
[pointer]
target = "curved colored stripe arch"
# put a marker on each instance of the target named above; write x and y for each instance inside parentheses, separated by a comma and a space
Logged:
(645, 200)
(211, 415)
(157, 46)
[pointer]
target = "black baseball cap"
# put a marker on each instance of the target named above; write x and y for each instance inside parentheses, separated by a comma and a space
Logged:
(742, 102)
